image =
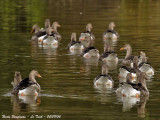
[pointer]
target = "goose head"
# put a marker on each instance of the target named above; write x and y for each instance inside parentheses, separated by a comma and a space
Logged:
(47, 23)
(73, 36)
(55, 25)
(17, 79)
(35, 29)
(111, 25)
(143, 57)
(135, 62)
(89, 27)
(128, 48)
(34, 74)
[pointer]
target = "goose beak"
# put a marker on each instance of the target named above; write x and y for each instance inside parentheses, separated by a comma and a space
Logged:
(132, 78)
(40, 40)
(82, 39)
(122, 49)
(58, 26)
(32, 31)
(39, 76)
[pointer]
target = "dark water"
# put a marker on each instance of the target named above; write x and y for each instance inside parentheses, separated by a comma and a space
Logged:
(67, 84)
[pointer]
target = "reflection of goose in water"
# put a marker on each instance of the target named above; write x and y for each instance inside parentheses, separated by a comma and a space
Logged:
(141, 107)
(24, 103)
(128, 103)
(103, 94)
(48, 50)
(91, 62)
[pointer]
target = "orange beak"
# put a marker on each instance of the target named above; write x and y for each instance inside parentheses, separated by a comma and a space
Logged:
(58, 26)
(132, 77)
(32, 31)
(82, 39)
(39, 76)
(40, 40)
(122, 49)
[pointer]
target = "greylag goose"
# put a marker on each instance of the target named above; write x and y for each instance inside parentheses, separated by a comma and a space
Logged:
(104, 79)
(90, 51)
(28, 86)
(109, 55)
(145, 66)
(74, 45)
(50, 39)
(124, 70)
(17, 79)
(129, 57)
(55, 33)
(40, 33)
(135, 90)
(83, 37)
(110, 33)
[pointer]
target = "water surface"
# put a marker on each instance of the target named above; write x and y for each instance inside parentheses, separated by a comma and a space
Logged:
(67, 83)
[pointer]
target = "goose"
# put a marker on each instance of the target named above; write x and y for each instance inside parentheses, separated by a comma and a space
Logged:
(109, 55)
(47, 25)
(87, 33)
(110, 33)
(129, 57)
(124, 70)
(17, 79)
(145, 66)
(50, 39)
(28, 86)
(55, 33)
(40, 33)
(104, 79)
(135, 90)
(74, 45)
(90, 51)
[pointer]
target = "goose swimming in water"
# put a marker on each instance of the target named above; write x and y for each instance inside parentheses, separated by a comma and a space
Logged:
(74, 45)
(90, 51)
(55, 33)
(104, 79)
(28, 86)
(135, 90)
(145, 66)
(83, 37)
(129, 57)
(50, 39)
(39, 34)
(17, 79)
(109, 55)
(110, 33)
(124, 70)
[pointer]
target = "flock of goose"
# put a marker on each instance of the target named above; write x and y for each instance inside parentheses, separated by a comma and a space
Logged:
(133, 74)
